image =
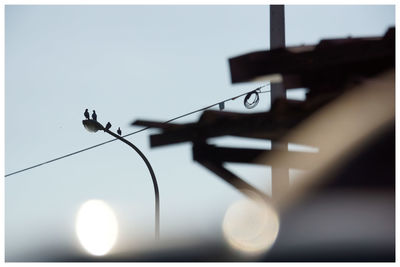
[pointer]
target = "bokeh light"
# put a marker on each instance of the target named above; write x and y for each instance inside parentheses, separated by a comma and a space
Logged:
(251, 226)
(96, 227)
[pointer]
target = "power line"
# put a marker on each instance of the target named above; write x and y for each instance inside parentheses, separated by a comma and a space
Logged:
(135, 132)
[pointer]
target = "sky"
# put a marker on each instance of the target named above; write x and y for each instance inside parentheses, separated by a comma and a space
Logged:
(128, 63)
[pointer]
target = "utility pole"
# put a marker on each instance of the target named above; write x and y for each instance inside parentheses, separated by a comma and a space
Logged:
(280, 176)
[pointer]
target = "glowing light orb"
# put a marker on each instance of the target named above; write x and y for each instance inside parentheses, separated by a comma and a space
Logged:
(96, 227)
(251, 226)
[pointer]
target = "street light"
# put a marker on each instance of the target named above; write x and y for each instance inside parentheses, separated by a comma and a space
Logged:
(94, 126)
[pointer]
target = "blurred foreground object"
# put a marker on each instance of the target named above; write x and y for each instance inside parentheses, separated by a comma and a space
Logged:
(342, 209)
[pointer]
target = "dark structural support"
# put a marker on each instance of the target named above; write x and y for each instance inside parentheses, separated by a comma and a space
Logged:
(277, 40)
(279, 175)
(226, 175)
(283, 116)
(296, 160)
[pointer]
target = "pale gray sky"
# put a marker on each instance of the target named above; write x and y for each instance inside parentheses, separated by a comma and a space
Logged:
(131, 62)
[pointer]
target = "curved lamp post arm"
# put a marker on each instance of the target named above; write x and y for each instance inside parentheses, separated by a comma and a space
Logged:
(94, 126)
(153, 177)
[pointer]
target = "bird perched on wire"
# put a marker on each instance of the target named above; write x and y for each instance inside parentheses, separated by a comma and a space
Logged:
(86, 114)
(94, 115)
(108, 126)
(119, 131)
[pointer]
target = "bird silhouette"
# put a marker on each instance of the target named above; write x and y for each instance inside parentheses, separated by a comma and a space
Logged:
(94, 115)
(119, 131)
(86, 114)
(108, 126)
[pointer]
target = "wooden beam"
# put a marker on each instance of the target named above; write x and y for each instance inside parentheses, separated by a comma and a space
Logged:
(156, 124)
(293, 159)
(329, 62)
(234, 180)
(284, 115)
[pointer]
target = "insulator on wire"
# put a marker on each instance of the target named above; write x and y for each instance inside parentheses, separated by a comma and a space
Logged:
(221, 106)
(253, 103)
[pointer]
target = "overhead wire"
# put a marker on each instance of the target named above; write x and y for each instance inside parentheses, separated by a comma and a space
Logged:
(138, 131)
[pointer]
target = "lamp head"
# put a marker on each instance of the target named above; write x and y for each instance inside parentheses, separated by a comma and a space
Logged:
(92, 125)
